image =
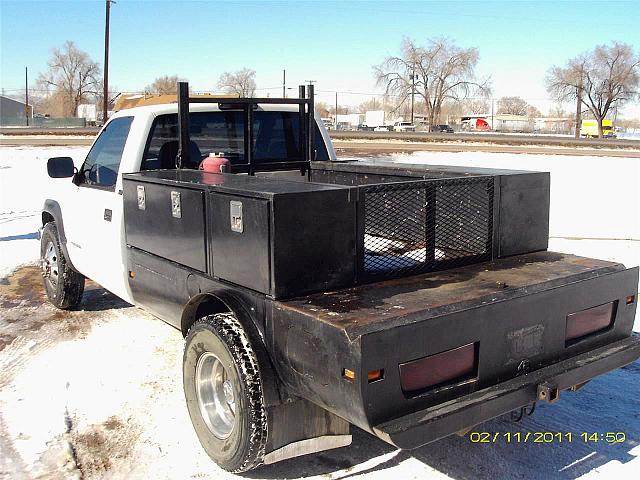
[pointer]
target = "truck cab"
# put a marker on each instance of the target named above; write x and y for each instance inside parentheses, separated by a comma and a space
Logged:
(146, 138)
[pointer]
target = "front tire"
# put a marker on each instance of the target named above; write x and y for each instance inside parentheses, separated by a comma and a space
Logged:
(223, 390)
(64, 286)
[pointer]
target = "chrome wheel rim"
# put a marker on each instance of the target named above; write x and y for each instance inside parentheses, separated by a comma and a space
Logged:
(50, 265)
(216, 395)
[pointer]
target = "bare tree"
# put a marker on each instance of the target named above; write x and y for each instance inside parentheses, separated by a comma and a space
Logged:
(533, 112)
(475, 106)
(606, 77)
(242, 82)
(112, 96)
(165, 85)
(566, 83)
(377, 104)
(512, 106)
(73, 75)
(557, 111)
(434, 73)
(322, 108)
(342, 110)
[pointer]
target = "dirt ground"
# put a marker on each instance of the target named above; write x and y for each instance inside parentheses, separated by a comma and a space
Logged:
(30, 326)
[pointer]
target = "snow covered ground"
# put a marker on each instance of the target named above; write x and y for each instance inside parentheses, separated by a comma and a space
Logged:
(96, 393)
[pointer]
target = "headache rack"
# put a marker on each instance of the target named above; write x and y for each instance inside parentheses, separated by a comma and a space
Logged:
(248, 105)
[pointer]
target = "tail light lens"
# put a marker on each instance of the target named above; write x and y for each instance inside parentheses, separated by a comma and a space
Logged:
(588, 322)
(453, 366)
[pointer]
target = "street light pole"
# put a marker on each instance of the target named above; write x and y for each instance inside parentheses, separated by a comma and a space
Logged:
(26, 94)
(413, 89)
(492, 121)
(105, 83)
(284, 84)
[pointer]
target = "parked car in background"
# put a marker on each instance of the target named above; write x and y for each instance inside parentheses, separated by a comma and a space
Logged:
(382, 128)
(363, 127)
(442, 129)
(404, 127)
(328, 123)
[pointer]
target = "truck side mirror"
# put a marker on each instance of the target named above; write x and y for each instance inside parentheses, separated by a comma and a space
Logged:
(60, 167)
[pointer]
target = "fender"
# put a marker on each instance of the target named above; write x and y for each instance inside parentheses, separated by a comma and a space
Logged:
(51, 211)
(218, 301)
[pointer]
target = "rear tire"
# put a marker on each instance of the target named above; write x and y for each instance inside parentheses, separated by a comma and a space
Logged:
(64, 286)
(223, 390)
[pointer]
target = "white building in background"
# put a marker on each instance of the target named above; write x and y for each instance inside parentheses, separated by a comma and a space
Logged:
(351, 120)
(374, 118)
(87, 111)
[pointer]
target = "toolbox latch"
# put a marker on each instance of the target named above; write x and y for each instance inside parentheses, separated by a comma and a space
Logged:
(235, 208)
(176, 207)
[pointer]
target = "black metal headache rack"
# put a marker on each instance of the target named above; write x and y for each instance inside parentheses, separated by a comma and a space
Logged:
(248, 106)
(413, 227)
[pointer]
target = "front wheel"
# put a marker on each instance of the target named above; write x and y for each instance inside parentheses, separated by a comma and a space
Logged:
(223, 390)
(64, 286)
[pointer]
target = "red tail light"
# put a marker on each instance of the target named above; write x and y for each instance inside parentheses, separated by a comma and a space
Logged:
(456, 365)
(587, 322)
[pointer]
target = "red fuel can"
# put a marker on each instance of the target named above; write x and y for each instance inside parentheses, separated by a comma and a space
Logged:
(215, 164)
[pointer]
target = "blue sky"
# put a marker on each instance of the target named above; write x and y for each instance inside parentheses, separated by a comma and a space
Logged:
(334, 43)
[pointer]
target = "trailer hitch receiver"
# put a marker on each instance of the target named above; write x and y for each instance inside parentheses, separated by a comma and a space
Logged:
(548, 392)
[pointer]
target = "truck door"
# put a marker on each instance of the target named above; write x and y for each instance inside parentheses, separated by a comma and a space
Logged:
(95, 225)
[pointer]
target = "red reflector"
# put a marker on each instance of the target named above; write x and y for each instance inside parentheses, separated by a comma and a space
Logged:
(589, 321)
(456, 364)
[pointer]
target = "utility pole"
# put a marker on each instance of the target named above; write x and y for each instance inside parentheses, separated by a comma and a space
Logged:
(492, 105)
(336, 119)
(413, 89)
(26, 94)
(576, 134)
(284, 84)
(105, 83)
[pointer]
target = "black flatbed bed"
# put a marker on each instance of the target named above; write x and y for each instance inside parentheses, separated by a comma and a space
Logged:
(391, 303)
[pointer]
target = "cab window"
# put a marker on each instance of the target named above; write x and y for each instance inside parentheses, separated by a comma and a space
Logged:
(100, 168)
(276, 138)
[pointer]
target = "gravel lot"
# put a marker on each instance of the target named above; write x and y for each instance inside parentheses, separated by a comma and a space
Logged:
(97, 392)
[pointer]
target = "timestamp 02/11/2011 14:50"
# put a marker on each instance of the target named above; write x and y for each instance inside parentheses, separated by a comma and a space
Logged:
(547, 437)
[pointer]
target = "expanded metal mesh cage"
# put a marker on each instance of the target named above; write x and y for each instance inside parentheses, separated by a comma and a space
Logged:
(426, 225)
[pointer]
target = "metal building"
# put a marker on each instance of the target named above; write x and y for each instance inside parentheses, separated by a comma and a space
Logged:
(14, 112)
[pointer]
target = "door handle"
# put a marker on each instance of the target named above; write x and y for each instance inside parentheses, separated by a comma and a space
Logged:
(107, 214)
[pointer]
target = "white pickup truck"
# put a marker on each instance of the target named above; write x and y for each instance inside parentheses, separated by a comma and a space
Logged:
(404, 127)
(412, 301)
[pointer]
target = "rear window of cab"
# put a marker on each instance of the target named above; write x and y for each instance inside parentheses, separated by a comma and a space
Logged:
(276, 138)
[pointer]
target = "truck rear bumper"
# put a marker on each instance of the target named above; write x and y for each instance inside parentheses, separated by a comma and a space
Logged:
(425, 426)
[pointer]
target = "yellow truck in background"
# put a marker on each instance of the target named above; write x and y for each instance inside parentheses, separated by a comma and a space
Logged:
(589, 129)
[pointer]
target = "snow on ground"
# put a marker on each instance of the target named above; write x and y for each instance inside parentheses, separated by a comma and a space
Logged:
(97, 393)
(23, 186)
